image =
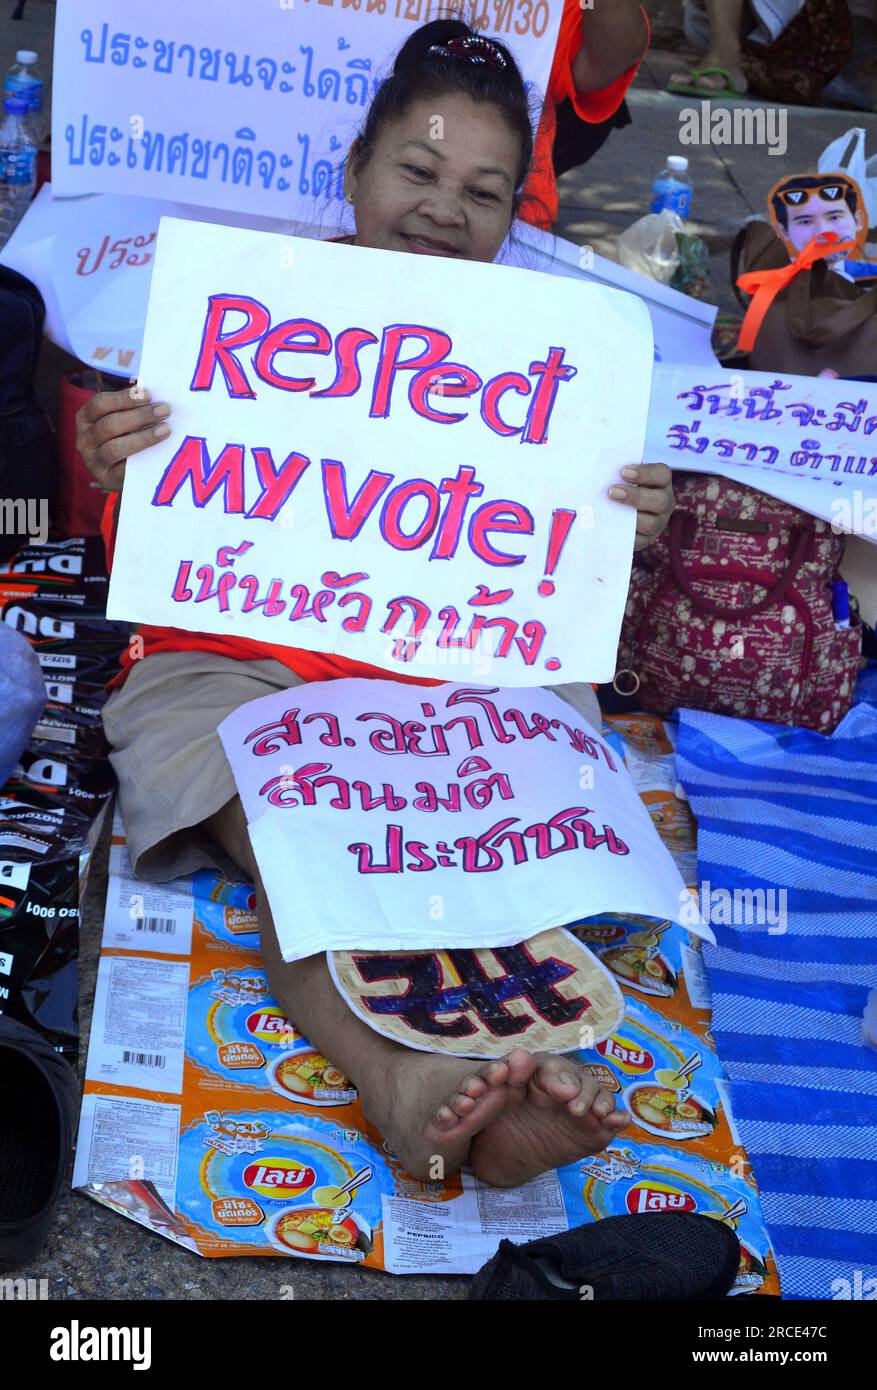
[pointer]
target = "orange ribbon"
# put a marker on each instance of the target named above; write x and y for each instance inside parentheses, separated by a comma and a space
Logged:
(765, 285)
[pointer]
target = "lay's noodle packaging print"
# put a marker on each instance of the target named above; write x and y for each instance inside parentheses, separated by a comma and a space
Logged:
(259, 1181)
(248, 1141)
(632, 1177)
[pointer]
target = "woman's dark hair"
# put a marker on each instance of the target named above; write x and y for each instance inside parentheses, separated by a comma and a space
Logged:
(421, 75)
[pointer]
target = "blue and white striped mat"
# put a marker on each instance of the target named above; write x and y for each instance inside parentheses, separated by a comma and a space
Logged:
(784, 809)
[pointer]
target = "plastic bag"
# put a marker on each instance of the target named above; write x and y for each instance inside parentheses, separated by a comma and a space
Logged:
(69, 573)
(847, 155)
(54, 642)
(692, 275)
(649, 246)
(39, 945)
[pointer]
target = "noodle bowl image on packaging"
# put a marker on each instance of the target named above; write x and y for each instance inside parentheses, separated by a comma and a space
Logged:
(669, 1110)
(308, 1077)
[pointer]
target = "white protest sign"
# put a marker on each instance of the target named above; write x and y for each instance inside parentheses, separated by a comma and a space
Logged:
(807, 440)
(400, 459)
(91, 258)
(386, 816)
(248, 107)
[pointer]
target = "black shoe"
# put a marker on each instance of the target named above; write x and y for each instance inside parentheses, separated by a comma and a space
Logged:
(39, 1103)
(661, 1255)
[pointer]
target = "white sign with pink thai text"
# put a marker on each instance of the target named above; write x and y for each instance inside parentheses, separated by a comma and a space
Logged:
(386, 816)
(807, 440)
(400, 459)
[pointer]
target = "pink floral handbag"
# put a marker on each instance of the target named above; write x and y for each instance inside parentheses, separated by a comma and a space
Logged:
(730, 610)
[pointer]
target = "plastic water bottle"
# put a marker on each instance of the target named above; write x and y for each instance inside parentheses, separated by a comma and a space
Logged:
(672, 187)
(18, 166)
(23, 80)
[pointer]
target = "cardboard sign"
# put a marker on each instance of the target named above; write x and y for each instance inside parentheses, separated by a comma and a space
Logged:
(366, 462)
(251, 108)
(386, 816)
(548, 994)
(808, 440)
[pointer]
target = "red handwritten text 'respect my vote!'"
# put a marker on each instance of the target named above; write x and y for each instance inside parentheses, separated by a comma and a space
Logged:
(413, 511)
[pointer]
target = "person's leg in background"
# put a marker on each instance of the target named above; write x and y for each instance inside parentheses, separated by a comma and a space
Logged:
(725, 30)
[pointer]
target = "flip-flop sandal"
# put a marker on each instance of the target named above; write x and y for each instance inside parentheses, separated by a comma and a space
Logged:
(728, 89)
(654, 1255)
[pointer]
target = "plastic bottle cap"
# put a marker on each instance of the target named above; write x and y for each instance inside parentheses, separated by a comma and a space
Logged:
(26, 55)
(678, 162)
(15, 106)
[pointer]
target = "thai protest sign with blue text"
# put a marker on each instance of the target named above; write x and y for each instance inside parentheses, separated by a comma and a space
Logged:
(401, 459)
(247, 107)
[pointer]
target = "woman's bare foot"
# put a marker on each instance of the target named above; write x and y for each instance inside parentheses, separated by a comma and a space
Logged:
(563, 1116)
(429, 1108)
(432, 1110)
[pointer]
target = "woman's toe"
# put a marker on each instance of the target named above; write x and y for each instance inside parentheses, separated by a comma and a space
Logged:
(520, 1066)
(603, 1104)
(496, 1073)
(474, 1086)
(559, 1080)
(462, 1105)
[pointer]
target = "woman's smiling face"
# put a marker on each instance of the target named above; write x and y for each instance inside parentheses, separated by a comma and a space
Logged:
(438, 184)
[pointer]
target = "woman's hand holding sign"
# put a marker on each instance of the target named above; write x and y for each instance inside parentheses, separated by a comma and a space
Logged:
(112, 426)
(651, 495)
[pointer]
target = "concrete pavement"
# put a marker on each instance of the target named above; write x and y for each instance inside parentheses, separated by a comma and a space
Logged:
(730, 182)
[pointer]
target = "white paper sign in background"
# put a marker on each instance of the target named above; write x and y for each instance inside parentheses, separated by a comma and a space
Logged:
(250, 107)
(91, 258)
(392, 817)
(364, 461)
(810, 441)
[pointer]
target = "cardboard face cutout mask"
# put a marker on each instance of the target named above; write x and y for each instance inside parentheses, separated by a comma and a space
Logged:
(804, 206)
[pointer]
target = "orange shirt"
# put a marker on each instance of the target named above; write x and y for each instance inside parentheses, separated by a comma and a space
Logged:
(593, 107)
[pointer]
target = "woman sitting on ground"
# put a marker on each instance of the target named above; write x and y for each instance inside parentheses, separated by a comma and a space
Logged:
(509, 1119)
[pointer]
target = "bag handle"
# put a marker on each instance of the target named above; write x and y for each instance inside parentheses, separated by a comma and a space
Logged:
(683, 526)
(721, 575)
